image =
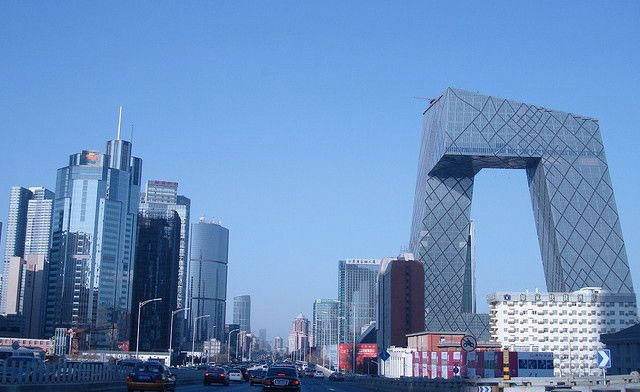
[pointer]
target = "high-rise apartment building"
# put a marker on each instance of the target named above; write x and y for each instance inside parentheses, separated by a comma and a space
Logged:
(28, 233)
(358, 296)
(400, 300)
(93, 238)
(325, 322)
(569, 324)
(208, 258)
(299, 337)
(278, 345)
(155, 276)
(161, 197)
(242, 312)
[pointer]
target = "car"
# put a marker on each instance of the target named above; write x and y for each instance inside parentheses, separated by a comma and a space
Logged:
(256, 376)
(336, 376)
(245, 373)
(151, 376)
(319, 374)
(235, 375)
(216, 375)
(281, 379)
(309, 372)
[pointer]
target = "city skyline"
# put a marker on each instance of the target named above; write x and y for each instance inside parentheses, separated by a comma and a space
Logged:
(347, 191)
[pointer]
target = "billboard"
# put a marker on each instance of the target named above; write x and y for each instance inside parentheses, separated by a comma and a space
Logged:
(364, 354)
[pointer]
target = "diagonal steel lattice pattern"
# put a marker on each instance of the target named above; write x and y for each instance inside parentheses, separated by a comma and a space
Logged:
(573, 204)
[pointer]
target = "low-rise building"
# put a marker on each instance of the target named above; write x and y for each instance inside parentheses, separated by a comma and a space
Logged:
(625, 350)
(569, 324)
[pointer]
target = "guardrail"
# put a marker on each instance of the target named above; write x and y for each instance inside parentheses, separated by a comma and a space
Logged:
(408, 384)
(76, 377)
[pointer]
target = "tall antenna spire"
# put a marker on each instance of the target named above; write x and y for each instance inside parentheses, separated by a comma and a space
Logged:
(119, 122)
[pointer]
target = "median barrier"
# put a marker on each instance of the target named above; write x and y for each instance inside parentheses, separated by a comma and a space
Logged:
(407, 384)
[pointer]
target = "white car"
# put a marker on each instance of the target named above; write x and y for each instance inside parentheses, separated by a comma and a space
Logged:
(235, 375)
(319, 373)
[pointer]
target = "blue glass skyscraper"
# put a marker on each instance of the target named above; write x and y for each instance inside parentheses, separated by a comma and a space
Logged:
(574, 208)
(93, 239)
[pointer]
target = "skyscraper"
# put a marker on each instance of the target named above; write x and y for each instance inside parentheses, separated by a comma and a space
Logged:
(242, 312)
(155, 276)
(299, 337)
(574, 208)
(278, 345)
(162, 196)
(400, 300)
(358, 296)
(325, 322)
(93, 238)
(208, 258)
(29, 229)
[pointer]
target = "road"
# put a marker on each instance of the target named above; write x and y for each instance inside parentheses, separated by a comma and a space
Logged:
(308, 385)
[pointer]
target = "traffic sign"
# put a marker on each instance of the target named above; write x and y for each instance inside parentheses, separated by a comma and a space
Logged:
(484, 389)
(384, 355)
(604, 358)
(469, 343)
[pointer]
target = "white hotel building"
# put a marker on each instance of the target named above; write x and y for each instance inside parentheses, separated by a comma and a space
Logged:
(567, 324)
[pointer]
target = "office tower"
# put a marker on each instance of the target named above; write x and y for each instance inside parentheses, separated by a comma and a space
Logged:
(155, 276)
(572, 197)
(325, 322)
(29, 228)
(569, 324)
(242, 312)
(299, 338)
(262, 336)
(208, 258)
(358, 296)
(93, 238)
(161, 197)
(400, 300)
(278, 345)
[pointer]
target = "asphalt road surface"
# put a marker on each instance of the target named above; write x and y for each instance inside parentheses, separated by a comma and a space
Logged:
(308, 385)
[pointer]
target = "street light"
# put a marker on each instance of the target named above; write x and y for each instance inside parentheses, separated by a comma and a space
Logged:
(193, 336)
(140, 305)
(229, 344)
(173, 313)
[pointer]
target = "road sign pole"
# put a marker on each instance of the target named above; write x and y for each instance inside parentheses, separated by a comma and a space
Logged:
(604, 377)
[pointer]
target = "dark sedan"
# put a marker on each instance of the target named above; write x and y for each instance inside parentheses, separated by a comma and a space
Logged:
(151, 376)
(256, 376)
(216, 375)
(281, 379)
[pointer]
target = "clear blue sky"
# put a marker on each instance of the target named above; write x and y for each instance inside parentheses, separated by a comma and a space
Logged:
(294, 121)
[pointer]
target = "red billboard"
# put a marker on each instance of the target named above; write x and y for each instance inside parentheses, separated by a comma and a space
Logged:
(364, 354)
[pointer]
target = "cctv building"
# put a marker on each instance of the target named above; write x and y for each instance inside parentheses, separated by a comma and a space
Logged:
(573, 204)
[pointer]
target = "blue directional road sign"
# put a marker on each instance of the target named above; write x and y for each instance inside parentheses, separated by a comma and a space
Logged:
(384, 355)
(604, 358)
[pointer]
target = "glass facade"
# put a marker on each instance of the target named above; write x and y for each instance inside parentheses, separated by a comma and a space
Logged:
(93, 237)
(325, 322)
(242, 312)
(208, 258)
(155, 276)
(358, 296)
(573, 204)
(162, 196)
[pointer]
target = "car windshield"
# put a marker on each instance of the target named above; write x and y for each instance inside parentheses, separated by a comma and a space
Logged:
(234, 371)
(216, 370)
(152, 368)
(255, 373)
(286, 372)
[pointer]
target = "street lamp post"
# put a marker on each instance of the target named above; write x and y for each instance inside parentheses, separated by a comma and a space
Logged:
(173, 313)
(140, 305)
(229, 344)
(193, 336)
